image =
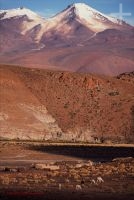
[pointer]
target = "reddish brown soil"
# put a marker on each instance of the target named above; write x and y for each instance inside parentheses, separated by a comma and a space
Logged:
(78, 102)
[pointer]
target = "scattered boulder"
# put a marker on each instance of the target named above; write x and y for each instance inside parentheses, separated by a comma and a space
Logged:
(100, 179)
(79, 165)
(83, 164)
(78, 187)
(13, 170)
(47, 166)
(93, 181)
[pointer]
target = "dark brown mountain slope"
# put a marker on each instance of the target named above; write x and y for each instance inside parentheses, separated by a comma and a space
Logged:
(48, 105)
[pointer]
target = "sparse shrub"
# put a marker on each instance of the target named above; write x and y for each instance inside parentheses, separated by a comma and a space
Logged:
(72, 115)
(113, 93)
(59, 134)
(65, 106)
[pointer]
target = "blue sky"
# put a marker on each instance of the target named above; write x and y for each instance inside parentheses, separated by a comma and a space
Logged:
(48, 8)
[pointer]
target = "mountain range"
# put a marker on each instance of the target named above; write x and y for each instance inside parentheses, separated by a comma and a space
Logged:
(79, 39)
(71, 96)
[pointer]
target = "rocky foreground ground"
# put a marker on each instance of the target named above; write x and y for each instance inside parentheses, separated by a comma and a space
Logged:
(69, 180)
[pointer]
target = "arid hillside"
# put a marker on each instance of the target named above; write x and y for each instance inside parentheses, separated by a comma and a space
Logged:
(64, 106)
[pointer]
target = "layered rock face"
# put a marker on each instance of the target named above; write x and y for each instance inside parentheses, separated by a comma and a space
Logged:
(63, 106)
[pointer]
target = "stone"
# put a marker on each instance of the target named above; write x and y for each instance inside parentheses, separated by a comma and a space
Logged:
(47, 166)
(78, 187)
(13, 170)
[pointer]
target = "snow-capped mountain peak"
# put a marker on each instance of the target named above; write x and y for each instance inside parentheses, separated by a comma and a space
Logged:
(18, 12)
(87, 16)
(77, 19)
(86, 12)
(82, 6)
(26, 20)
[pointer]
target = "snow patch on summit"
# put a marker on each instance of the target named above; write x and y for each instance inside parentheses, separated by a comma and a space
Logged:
(92, 18)
(86, 12)
(20, 12)
(66, 23)
(31, 24)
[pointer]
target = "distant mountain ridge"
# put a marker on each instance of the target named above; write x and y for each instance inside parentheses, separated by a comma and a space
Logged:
(75, 18)
(79, 26)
